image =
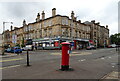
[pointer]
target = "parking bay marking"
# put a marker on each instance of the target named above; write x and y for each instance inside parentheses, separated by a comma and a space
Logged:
(10, 60)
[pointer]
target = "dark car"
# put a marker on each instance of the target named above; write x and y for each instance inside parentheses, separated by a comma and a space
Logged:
(91, 47)
(16, 50)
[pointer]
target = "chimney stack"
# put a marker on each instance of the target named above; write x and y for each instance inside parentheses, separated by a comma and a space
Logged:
(79, 21)
(106, 26)
(38, 17)
(72, 15)
(53, 11)
(43, 15)
(24, 22)
(93, 21)
(11, 27)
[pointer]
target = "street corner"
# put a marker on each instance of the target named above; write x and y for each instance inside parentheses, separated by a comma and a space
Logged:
(112, 75)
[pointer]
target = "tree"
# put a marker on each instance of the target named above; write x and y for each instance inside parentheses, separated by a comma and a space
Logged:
(115, 39)
(23, 45)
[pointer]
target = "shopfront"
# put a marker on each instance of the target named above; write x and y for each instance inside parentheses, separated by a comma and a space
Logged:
(49, 43)
(81, 43)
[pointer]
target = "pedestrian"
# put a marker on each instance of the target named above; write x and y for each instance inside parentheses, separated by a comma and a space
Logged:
(35, 46)
(32, 47)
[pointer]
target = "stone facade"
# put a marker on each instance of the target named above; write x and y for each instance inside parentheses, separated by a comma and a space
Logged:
(59, 26)
(99, 34)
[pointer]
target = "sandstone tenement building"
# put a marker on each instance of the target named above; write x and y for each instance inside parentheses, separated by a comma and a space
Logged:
(58, 28)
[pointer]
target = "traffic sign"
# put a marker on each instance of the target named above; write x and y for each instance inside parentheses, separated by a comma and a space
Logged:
(14, 39)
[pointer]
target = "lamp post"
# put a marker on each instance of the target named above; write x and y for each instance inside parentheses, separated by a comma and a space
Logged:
(4, 36)
(117, 47)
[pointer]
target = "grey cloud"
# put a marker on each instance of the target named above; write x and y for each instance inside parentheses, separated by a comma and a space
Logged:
(20, 9)
(15, 9)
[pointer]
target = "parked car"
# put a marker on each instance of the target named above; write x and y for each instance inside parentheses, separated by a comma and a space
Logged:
(24, 48)
(27, 47)
(91, 47)
(8, 50)
(13, 50)
(112, 46)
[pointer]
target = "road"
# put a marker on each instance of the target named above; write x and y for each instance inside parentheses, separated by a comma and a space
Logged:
(88, 64)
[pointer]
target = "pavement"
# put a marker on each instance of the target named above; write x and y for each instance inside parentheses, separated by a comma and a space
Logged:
(38, 70)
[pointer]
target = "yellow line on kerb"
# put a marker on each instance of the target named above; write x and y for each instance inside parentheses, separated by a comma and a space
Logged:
(9, 67)
(11, 60)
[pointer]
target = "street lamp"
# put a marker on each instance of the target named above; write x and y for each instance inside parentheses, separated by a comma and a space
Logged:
(4, 36)
(117, 47)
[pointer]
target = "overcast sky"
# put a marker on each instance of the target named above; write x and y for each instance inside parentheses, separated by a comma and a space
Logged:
(103, 11)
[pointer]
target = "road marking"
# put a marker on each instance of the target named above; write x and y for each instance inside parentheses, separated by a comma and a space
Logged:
(9, 67)
(82, 60)
(109, 57)
(102, 58)
(74, 53)
(113, 66)
(10, 60)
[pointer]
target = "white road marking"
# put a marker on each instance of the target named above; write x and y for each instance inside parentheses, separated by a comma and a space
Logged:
(83, 59)
(102, 58)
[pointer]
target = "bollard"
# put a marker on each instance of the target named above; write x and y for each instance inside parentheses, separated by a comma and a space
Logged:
(116, 48)
(28, 58)
(65, 56)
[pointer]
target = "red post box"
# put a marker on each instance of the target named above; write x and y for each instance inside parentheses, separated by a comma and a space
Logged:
(65, 56)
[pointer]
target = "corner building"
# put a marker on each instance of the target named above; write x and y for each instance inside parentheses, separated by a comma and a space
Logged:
(50, 32)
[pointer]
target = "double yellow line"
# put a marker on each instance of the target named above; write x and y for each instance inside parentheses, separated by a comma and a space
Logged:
(10, 60)
(8, 67)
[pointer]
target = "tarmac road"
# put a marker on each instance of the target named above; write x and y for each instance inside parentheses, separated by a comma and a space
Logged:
(87, 64)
